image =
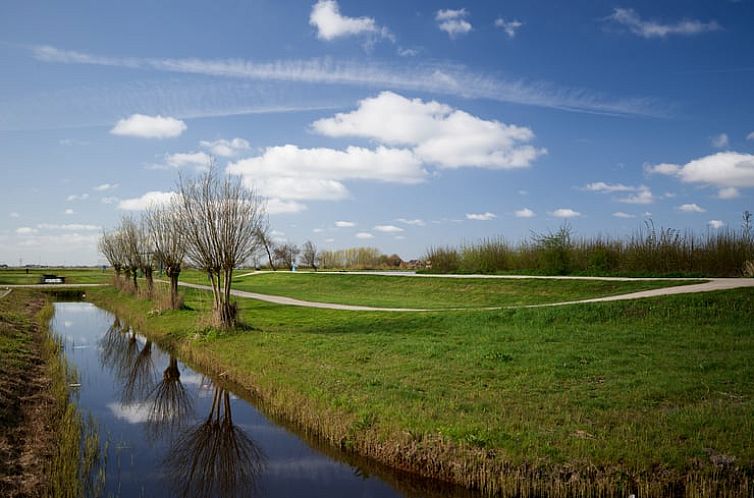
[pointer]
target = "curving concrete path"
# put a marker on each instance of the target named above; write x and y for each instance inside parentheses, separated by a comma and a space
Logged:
(712, 284)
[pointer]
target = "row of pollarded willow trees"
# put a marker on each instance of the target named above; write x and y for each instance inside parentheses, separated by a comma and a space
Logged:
(213, 223)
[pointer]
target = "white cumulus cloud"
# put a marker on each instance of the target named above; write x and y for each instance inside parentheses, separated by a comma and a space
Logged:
(345, 224)
(26, 230)
(715, 224)
(453, 22)
(629, 19)
(723, 169)
(388, 228)
(278, 206)
(437, 133)
(487, 216)
(750, 136)
(331, 24)
(77, 197)
(728, 193)
(364, 235)
(154, 198)
(183, 159)
(524, 213)
(565, 213)
(642, 196)
(691, 208)
(143, 126)
(226, 148)
(290, 172)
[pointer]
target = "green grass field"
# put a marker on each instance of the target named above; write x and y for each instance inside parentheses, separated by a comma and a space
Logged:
(16, 276)
(655, 394)
(424, 292)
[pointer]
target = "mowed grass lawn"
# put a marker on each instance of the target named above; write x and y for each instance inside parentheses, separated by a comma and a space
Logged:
(16, 276)
(653, 387)
(428, 292)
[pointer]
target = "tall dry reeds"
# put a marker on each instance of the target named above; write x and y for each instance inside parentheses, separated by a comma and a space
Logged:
(649, 251)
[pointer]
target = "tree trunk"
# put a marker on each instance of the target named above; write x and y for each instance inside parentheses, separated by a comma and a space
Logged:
(150, 281)
(173, 276)
(269, 255)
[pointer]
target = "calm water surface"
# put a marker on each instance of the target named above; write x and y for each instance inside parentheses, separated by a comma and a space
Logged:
(167, 430)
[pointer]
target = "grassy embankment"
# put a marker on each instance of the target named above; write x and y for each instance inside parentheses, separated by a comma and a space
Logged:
(40, 430)
(427, 292)
(16, 276)
(654, 397)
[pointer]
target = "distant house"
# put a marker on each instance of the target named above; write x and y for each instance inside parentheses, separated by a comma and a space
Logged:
(51, 279)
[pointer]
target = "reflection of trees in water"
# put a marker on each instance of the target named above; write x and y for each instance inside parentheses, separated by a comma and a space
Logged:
(169, 402)
(131, 365)
(140, 377)
(215, 458)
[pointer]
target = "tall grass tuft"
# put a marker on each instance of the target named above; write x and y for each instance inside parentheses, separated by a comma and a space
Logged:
(650, 251)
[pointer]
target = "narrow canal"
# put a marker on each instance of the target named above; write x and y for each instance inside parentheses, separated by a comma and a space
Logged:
(167, 430)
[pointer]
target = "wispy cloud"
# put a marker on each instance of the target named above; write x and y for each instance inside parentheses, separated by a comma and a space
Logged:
(487, 216)
(441, 78)
(636, 194)
(565, 213)
(655, 29)
(509, 27)
(720, 141)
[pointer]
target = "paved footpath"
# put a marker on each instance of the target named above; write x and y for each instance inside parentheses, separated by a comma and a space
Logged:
(708, 285)
(712, 284)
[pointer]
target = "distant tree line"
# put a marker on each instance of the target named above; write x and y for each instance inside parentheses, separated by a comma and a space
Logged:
(727, 252)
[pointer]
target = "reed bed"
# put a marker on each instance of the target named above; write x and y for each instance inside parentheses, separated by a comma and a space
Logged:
(650, 251)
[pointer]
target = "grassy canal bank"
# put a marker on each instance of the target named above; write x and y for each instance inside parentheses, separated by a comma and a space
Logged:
(40, 430)
(654, 397)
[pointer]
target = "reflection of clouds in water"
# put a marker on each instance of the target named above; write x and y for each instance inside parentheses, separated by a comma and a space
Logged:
(192, 378)
(76, 307)
(67, 324)
(134, 413)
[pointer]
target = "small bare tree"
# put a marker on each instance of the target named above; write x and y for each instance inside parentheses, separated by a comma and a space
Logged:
(110, 248)
(146, 255)
(220, 222)
(164, 230)
(130, 245)
(286, 254)
(309, 255)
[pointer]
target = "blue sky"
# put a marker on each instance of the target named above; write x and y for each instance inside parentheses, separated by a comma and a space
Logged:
(392, 124)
